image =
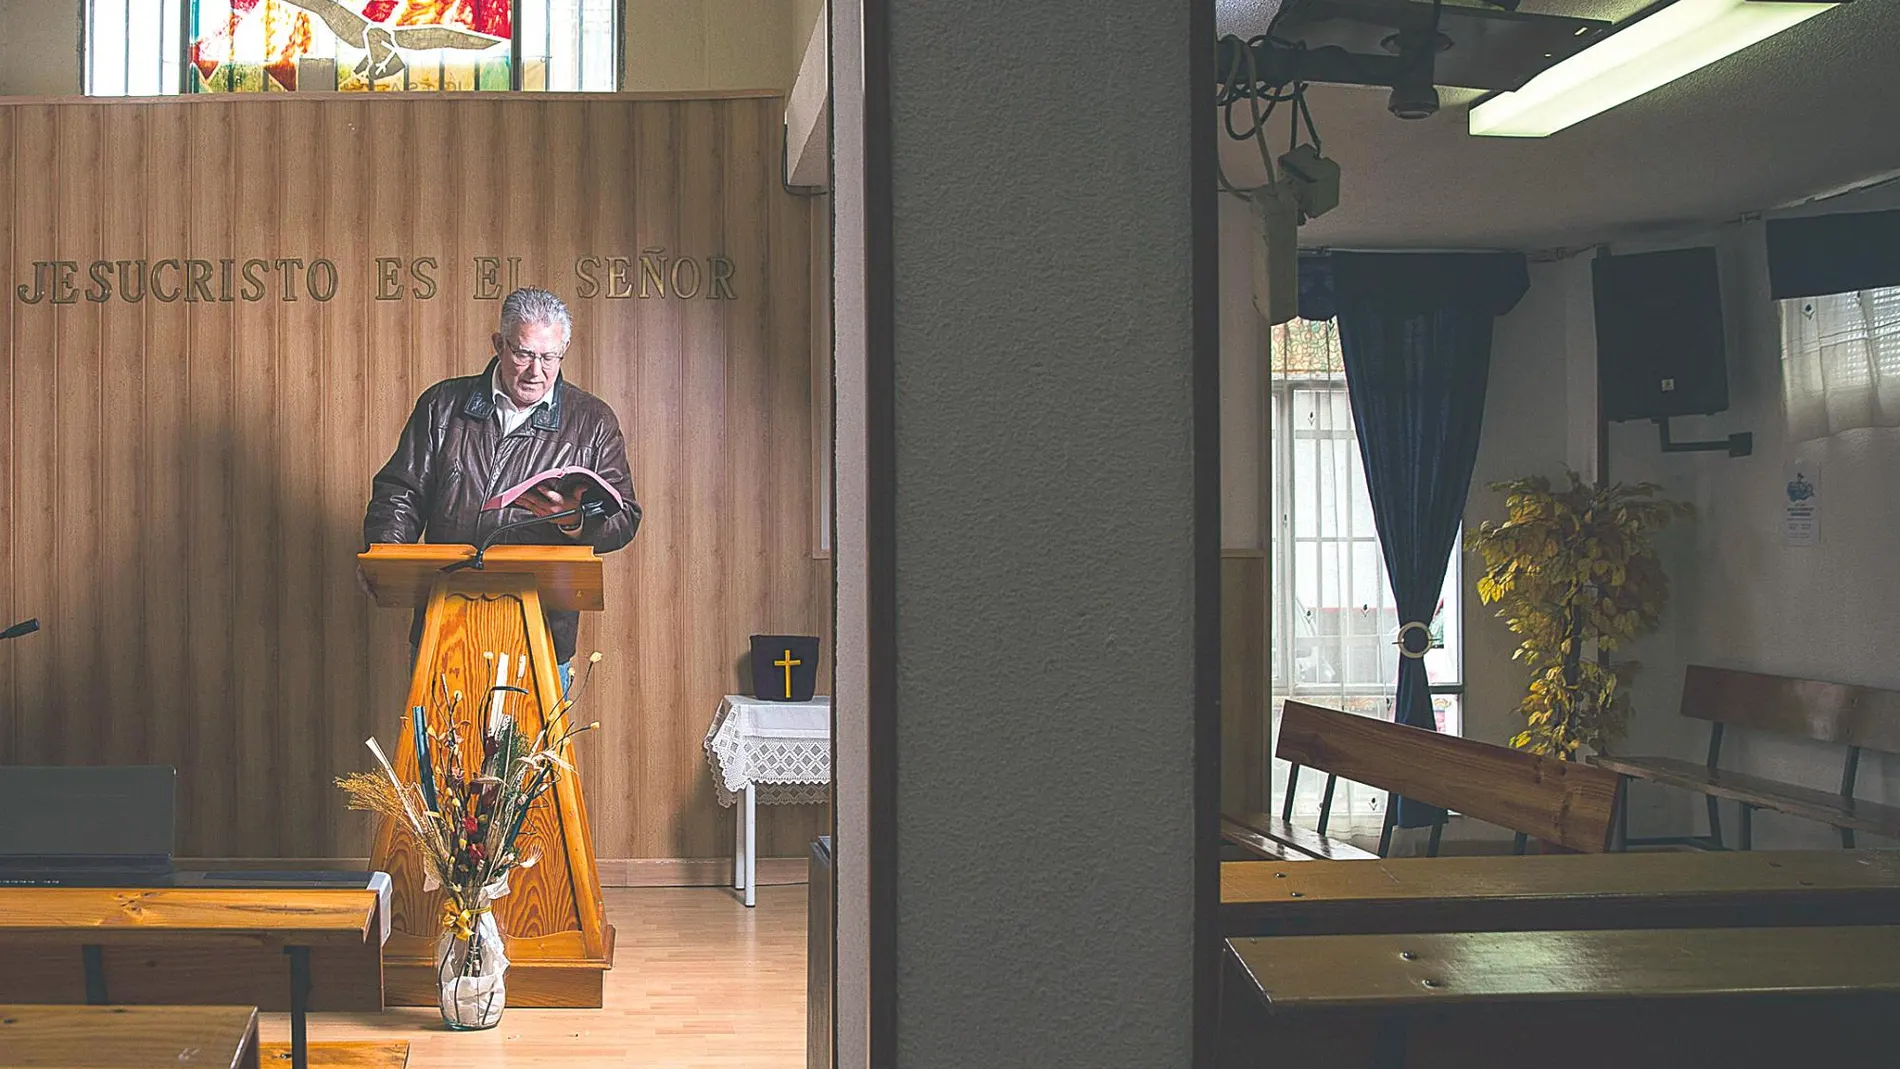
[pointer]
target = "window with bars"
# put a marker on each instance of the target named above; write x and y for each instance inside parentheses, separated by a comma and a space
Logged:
(1335, 627)
(1840, 362)
(158, 47)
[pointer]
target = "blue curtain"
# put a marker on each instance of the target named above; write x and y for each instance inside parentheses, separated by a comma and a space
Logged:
(1415, 331)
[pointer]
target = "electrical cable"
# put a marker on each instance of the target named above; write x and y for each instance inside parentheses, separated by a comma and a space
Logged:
(1312, 132)
(1252, 90)
(1255, 91)
(1293, 118)
(1225, 101)
(1232, 89)
(1421, 59)
(1259, 121)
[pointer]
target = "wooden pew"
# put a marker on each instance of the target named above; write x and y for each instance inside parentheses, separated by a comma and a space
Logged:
(1277, 839)
(1678, 889)
(282, 948)
(1850, 716)
(1653, 999)
(128, 1037)
(1562, 802)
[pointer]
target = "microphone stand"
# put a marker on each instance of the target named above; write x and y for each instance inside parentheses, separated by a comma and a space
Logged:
(584, 509)
(24, 627)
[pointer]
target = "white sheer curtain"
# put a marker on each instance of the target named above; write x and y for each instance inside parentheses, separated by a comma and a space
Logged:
(1333, 614)
(1840, 362)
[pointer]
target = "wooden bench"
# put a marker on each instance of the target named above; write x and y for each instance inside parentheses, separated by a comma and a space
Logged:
(1850, 716)
(1562, 802)
(128, 1037)
(1278, 839)
(1649, 999)
(1675, 889)
(283, 947)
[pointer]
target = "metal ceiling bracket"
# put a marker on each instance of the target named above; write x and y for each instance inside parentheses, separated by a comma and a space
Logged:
(1737, 445)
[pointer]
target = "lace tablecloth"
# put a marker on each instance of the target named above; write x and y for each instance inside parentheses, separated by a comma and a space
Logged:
(781, 749)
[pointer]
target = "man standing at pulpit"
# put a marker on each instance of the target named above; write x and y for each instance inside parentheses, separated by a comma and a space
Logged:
(470, 438)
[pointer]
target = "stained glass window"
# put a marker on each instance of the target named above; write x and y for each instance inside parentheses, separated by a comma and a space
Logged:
(143, 47)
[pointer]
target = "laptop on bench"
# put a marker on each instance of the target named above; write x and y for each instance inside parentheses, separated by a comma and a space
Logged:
(87, 825)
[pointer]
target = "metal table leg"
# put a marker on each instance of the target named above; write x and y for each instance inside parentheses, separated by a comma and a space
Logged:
(751, 843)
(93, 956)
(738, 844)
(299, 1005)
(1390, 1042)
(1622, 814)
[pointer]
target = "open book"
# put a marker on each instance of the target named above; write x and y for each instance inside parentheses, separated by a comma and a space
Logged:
(569, 482)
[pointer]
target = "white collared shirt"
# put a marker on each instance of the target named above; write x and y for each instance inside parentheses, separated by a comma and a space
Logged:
(510, 414)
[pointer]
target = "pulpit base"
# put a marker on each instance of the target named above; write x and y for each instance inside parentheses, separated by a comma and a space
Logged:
(575, 983)
(483, 627)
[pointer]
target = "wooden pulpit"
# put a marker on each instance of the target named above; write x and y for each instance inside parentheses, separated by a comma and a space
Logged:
(558, 939)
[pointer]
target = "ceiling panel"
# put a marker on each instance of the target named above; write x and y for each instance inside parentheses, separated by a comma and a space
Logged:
(1807, 111)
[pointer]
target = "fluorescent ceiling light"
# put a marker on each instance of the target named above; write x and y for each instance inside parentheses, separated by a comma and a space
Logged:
(1654, 51)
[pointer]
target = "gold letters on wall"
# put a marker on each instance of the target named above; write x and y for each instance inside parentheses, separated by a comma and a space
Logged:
(394, 278)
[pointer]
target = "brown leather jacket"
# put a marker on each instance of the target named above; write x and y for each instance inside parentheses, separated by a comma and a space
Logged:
(452, 457)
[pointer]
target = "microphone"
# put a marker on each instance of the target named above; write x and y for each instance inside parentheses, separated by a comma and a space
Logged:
(25, 627)
(593, 508)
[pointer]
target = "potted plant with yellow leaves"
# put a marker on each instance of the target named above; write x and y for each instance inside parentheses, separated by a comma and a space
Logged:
(1575, 571)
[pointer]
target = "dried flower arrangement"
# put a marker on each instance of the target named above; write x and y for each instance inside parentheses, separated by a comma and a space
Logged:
(465, 811)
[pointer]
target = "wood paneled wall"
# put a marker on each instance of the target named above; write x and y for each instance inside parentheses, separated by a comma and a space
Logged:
(182, 482)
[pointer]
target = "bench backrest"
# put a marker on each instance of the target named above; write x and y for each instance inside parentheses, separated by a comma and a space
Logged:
(1565, 802)
(1804, 708)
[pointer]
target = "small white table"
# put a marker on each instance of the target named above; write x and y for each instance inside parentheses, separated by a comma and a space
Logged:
(767, 753)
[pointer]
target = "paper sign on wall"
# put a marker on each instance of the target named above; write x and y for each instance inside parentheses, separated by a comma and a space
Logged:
(1801, 520)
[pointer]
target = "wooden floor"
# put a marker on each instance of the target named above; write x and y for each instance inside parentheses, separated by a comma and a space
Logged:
(698, 981)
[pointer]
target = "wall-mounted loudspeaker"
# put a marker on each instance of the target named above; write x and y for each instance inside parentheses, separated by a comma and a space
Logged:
(1659, 335)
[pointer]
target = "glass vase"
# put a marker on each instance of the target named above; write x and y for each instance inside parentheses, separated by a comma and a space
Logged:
(471, 973)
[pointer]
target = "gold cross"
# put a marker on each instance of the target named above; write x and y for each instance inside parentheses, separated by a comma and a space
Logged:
(787, 664)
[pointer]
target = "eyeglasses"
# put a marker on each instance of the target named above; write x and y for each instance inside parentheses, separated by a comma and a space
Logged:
(524, 357)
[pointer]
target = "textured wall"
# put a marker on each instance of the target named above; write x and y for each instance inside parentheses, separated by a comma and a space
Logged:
(851, 682)
(683, 46)
(39, 47)
(1044, 534)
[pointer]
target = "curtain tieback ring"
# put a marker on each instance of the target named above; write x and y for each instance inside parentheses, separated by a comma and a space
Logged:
(1406, 651)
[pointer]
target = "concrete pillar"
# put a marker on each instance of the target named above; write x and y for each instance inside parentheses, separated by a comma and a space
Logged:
(1040, 463)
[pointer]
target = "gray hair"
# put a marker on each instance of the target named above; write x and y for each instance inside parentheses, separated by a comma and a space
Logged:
(528, 306)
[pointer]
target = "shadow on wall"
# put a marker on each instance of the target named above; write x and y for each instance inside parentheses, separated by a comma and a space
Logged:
(214, 625)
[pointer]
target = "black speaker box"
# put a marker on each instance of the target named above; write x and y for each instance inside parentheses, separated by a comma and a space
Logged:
(784, 667)
(1659, 334)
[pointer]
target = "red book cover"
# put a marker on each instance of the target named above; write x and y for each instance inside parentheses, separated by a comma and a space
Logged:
(567, 481)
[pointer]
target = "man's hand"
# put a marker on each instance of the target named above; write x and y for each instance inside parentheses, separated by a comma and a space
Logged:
(547, 499)
(362, 582)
